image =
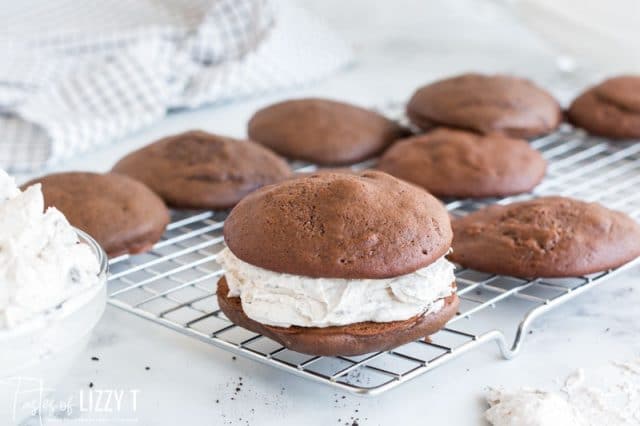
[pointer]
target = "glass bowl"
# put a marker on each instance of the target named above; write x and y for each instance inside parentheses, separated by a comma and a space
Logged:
(36, 354)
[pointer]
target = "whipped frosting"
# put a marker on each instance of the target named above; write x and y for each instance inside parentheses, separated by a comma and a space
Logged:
(531, 407)
(284, 300)
(610, 397)
(42, 262)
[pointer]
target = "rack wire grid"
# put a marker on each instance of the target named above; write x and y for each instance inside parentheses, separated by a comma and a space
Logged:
(175, 283)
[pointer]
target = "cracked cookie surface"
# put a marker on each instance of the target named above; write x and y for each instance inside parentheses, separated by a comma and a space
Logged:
(610, 109)
(545, 237)
(323, 131)
(486, 104)
(455, 163)
(199, 170)
(122, 214)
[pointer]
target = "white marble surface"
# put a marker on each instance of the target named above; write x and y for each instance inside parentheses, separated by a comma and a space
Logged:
(398, 45)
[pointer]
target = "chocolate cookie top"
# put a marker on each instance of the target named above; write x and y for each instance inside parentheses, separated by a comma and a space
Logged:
(323, 131)
(199, 170)
(455, 163)
(122, 214)
(610, 109)
(370, 225)
(545, 237)
(486, 104)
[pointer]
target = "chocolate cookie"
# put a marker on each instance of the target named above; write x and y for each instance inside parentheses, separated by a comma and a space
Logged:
(199, 170)
(610, 109)
(328, 225)
(353, 339)
(323, 131)
(545, 237)
(486, 104)
(455, 163)
(122, 214)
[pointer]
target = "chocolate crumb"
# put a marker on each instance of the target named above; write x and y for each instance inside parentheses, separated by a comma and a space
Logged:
(95, 358)
(147, 368)
(233, 358)
(217, 401)
(90, 384)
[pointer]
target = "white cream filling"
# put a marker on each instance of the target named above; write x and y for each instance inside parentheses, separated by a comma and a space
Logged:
(42, 262)
(284, 300)
(531, 407)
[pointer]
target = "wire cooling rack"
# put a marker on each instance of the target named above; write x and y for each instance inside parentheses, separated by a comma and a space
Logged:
(175, 284)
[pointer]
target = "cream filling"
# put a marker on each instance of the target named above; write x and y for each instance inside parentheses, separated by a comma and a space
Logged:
(531, 407)
(42, 262)
(284, 300)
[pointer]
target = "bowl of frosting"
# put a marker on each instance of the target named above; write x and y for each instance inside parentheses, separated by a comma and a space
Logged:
(52, 294)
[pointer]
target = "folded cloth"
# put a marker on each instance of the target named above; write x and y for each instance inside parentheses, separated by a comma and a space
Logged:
(80, 73)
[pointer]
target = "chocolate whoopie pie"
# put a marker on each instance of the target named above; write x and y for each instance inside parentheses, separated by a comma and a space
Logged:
(610, 109)
(456, 163)
(323, 131)
(122, 214)
(486, 104)
(338, 264)
(199, 170)
(545, 237)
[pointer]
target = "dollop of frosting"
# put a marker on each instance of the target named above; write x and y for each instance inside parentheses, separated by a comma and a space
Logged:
(531, 407)
(284, 300)
(42, 262)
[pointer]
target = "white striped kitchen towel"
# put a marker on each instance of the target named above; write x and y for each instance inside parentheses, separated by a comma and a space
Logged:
(79, 73)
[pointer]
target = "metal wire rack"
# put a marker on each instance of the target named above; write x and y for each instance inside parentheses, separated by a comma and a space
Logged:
(175, 284)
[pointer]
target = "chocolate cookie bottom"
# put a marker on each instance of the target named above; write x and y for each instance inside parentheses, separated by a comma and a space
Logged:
(348, 340)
